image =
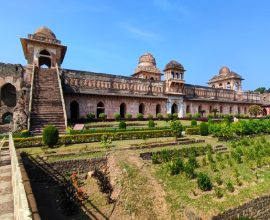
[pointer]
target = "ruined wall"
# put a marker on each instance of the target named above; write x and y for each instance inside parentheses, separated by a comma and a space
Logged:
(11, 83)
(258, 209)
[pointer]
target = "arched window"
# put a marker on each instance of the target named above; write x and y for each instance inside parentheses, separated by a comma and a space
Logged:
(141, 108)
(200, 109)
(188, 109)
(8, 95)
(152, 78)
(174, 109)
(220, 85)
(228, 86)
(176, 75)
(213, 86)
(44, 59)
(264, 112)
(236, 86)
(231, 109)
(220, 109)
(74, 110)
(239, 110)
(158, 109)
(173, 75)
(7, 117)
(100, 108)
(123, 109)
(210, 109)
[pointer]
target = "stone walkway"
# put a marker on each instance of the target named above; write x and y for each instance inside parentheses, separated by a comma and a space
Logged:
(6, 197)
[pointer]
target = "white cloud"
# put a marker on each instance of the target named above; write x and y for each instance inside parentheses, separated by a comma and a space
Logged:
(138, 32)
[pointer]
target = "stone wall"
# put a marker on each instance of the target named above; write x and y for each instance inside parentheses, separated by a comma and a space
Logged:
(257, 209)
(81, 166)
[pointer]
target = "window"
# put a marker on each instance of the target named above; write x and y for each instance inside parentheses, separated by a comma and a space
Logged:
(100, 108)
(141, 108)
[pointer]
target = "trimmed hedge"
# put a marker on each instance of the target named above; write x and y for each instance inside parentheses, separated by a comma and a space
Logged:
(86, 138)
(193, 131)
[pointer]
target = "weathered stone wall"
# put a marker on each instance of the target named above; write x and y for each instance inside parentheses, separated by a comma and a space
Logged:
(81, 166)
(10, 74)
(88, 103)
(258, 209)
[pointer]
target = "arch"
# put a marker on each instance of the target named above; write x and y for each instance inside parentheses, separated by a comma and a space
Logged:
(236, 86)
(7, 118)
(210, 109)
(44, 59)
(173, 75)
(74, 110)
(8, 95)
(200, 109)
(152, 78)
(238, 110)
(100, 108)
(174, 109)
(228, 86)
(123, 110)
(264, 112)
(220, 85)
(141, 108)
(220, 109)
(231, 109)
(188, 109)
(158, 109)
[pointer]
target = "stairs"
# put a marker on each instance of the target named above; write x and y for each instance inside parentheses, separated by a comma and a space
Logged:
(47, 106)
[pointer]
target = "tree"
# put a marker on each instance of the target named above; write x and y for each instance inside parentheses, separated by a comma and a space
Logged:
(260, 90)
(177, 128)
(50, 135)
(254, 110)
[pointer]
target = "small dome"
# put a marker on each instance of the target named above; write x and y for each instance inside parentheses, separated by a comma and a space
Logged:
(45, 32)
(224, 70)
(174, 65)
(147, 59)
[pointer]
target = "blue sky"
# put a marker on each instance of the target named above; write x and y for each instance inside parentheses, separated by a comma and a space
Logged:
(109, 35)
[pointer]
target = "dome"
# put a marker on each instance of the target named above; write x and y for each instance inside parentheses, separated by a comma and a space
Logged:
(224, 70)
(147, 59)
(45, 32)
(174, 65)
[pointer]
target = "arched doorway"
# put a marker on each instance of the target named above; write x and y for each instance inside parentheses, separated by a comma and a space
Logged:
(174, 109)
(141, 108)
(100, 108)
(264, 112)
(123, 109)
(158, 109)
(220, 109)
(8, 95)
(188, 109)
(44, 59)
(74, 110)
(7, 118)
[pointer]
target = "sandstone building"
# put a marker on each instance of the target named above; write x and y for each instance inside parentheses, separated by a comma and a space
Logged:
(42, 92)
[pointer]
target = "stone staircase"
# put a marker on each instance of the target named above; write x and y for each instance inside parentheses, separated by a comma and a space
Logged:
(47, 106)
(220, 149)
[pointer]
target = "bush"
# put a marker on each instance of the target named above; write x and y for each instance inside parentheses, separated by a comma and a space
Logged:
(106, 142)
(218, 179)
(139, 116)
(230, 187)
(189, 170)
(204, 129)
(155, 158)
(128, 116)
(193, 123)
(218, 192)
(169, 117)
(175, 166)
(204, 182)
(90, 116)
(193, 131)
(189, 115)
(50, 135)
(102, 116)
(174, 116)
(117, 116)
(151, 124)
(159, 116)
(196, 116)
(177, 128)
(150, 116)
(122, 125)
(25, 133)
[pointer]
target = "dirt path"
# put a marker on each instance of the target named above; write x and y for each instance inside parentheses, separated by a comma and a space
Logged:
(154, 192)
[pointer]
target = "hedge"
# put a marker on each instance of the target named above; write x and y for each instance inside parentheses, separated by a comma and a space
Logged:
(193, 131)
(85, 138)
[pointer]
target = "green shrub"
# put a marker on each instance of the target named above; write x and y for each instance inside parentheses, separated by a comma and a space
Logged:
(177, 128)
(159, 116)
(218, 192)
(50, 135)
(218, 179)
(204, 129)
(204, 182)
(155, 158)
(139, 116)
(193, 123)
(90, 116)
(122, 125)
(236, 156)
(102, 116)
(151, 124)
(117, 116)
(189, 170)
(25, 133)
(193, 131)
(219, 156)
(204, 162)
(175, 166)
(230, 186)
(174, 116)
(150, 116)
(196, 116)
(189, 115)
(214, 167)
(169, 117)
(193, 162)
(106, 142)
(128, 116)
